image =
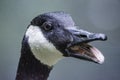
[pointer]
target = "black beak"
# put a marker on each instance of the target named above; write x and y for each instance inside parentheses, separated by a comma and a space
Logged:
(79, 47)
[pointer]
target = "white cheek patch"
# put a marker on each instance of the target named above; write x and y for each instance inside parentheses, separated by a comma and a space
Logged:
(42, 49)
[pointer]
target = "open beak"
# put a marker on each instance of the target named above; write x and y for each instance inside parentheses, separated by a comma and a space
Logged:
(80, 47)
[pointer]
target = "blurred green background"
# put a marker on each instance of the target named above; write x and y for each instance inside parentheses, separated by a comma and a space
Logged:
(92, 15)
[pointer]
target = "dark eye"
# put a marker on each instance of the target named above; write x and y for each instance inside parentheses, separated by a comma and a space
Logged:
(47, 26)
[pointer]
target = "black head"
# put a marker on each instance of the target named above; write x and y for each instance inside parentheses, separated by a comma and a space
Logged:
(58, 29)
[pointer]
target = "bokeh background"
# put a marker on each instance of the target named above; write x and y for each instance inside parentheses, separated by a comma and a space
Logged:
(93, 15)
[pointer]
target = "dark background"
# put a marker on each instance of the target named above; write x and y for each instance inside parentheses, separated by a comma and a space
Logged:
(92, 15)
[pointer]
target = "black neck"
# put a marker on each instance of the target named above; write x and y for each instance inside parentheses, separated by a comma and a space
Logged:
(29, 67)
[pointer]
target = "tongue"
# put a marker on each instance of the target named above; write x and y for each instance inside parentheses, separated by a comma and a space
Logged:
(88, 51)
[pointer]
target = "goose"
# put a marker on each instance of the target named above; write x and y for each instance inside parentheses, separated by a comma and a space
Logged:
(51, 37)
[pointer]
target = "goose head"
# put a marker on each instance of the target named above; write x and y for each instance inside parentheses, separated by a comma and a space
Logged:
(53, 36)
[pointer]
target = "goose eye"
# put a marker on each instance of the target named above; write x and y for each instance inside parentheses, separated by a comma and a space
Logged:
(47, 26)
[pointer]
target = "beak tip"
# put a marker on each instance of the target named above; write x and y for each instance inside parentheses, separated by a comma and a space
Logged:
(100, 59)
(103, 37)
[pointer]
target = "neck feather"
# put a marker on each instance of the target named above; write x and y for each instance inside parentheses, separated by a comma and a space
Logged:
(29, 67)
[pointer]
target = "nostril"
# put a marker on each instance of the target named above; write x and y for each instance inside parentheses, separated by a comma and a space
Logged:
(83, 36)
